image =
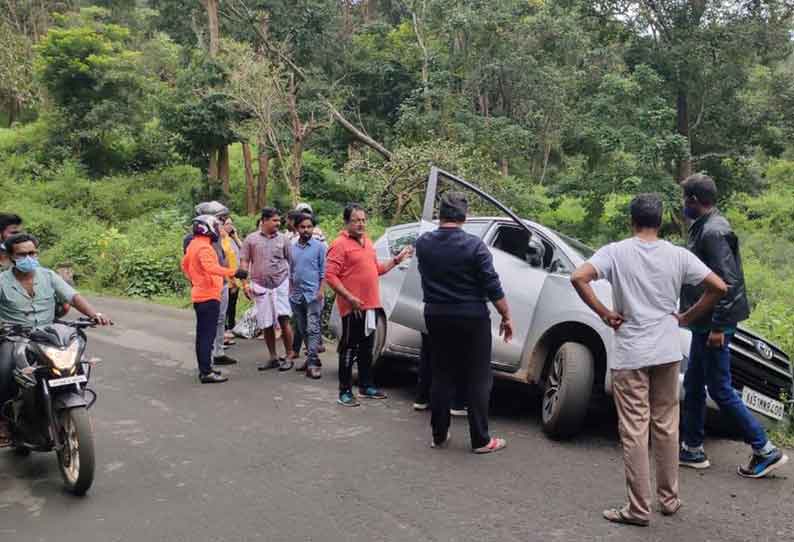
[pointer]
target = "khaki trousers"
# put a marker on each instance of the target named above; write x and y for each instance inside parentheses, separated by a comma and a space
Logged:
(647, 402)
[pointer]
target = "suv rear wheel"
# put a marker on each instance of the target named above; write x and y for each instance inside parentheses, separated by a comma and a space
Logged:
(567, 389)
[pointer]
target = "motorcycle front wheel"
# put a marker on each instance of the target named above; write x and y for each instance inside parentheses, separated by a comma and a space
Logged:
(76, 458)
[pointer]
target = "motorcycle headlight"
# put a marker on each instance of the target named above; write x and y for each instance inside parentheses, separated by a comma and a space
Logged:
(62, 359)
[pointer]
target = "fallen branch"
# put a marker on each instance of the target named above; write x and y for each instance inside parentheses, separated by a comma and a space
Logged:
(240, 10)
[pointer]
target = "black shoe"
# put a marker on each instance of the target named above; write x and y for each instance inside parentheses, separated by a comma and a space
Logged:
(762, 465)
(285, 365)
(371, 392)
(212, 378)
(314, 373)
(224, 360)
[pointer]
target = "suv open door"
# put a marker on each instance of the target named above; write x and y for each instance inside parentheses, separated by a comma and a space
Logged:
(408, 311)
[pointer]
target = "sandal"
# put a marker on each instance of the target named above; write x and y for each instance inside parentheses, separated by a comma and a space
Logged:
(494, 445)
(619, 516)
(671, 511)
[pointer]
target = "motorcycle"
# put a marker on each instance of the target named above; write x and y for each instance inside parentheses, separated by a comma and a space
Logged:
(50, 410)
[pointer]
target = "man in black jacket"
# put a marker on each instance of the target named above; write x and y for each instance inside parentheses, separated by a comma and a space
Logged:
(713, 241)
(458, 279)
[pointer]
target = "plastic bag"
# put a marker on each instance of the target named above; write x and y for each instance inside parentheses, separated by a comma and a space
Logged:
(246, 327)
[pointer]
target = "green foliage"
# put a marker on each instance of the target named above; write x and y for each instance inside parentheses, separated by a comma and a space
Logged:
(196, 109)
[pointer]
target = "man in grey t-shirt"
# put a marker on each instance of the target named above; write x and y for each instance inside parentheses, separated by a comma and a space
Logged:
(646, 275)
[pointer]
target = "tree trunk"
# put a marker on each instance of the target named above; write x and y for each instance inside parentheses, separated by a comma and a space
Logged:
(14, 109)
(425, 61)
(347, 17)
(546, 155)
(250, 185)
(212, 168)
(296, 169)
(224, 170)
(369, 11)
(682, 106)
(262, 177)
(214, 27)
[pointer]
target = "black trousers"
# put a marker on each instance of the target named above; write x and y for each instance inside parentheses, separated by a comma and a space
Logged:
(354, 347)
(231, 310)
(8, 387)
(207, 314)
(424, 379)
(460, 351)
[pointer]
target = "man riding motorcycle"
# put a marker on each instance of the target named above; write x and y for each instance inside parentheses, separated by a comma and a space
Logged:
(29, 295)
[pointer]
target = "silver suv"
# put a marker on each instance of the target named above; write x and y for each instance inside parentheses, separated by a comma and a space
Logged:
(559, 344)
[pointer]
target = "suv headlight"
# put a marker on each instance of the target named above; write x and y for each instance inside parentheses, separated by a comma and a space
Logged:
(62, 360)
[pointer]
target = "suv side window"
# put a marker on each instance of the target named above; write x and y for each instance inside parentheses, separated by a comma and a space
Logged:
(401, 237)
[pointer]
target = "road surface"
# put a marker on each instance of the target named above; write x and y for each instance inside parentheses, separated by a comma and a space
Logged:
(271, 457)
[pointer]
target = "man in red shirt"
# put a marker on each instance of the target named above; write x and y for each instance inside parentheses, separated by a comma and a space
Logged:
(352, 270)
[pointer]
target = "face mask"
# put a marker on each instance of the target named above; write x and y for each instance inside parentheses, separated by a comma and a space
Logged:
(28, 264)
(690, 213)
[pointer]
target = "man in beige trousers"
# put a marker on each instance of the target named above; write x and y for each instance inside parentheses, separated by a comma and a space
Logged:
(646, 275)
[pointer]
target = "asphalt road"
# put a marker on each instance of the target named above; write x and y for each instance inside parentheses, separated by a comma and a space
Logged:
(270, 456)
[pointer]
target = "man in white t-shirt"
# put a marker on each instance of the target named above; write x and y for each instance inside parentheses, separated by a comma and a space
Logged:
(646, 275)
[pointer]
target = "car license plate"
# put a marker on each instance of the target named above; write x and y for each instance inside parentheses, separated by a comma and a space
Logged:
(763, 404)
(66, 381)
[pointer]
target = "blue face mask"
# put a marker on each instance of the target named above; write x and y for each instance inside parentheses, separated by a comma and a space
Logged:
(28, 264)
(690, 213)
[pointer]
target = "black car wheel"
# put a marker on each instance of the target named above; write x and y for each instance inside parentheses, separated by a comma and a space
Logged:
(568, 386)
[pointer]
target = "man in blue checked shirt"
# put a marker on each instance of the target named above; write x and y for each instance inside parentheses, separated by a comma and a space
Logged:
(307, 294)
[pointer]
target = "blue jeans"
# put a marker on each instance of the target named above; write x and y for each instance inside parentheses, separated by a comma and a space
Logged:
(711, 368)
(308, 316)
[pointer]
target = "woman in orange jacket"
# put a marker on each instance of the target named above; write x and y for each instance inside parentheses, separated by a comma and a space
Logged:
(201, 267)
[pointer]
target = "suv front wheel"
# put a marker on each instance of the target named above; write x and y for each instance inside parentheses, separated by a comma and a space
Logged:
(567, 388)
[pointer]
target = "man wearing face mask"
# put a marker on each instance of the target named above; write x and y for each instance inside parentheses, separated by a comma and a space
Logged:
(713, 241)
(29, 295)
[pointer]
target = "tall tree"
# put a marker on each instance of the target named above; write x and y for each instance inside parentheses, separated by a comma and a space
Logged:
(703, 48)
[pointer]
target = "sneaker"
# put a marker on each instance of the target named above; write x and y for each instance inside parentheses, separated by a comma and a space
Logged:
(459, 412)
(371, 393)
(286, 365)
(224, 360)
(347, 399)
(495, 445)
(212, 378)
(693, 459)
(314, 373)
(421, 405)
(267, 365)
(762, 465)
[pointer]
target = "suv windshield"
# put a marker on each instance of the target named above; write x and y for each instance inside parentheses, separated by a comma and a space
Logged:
(584, 251)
